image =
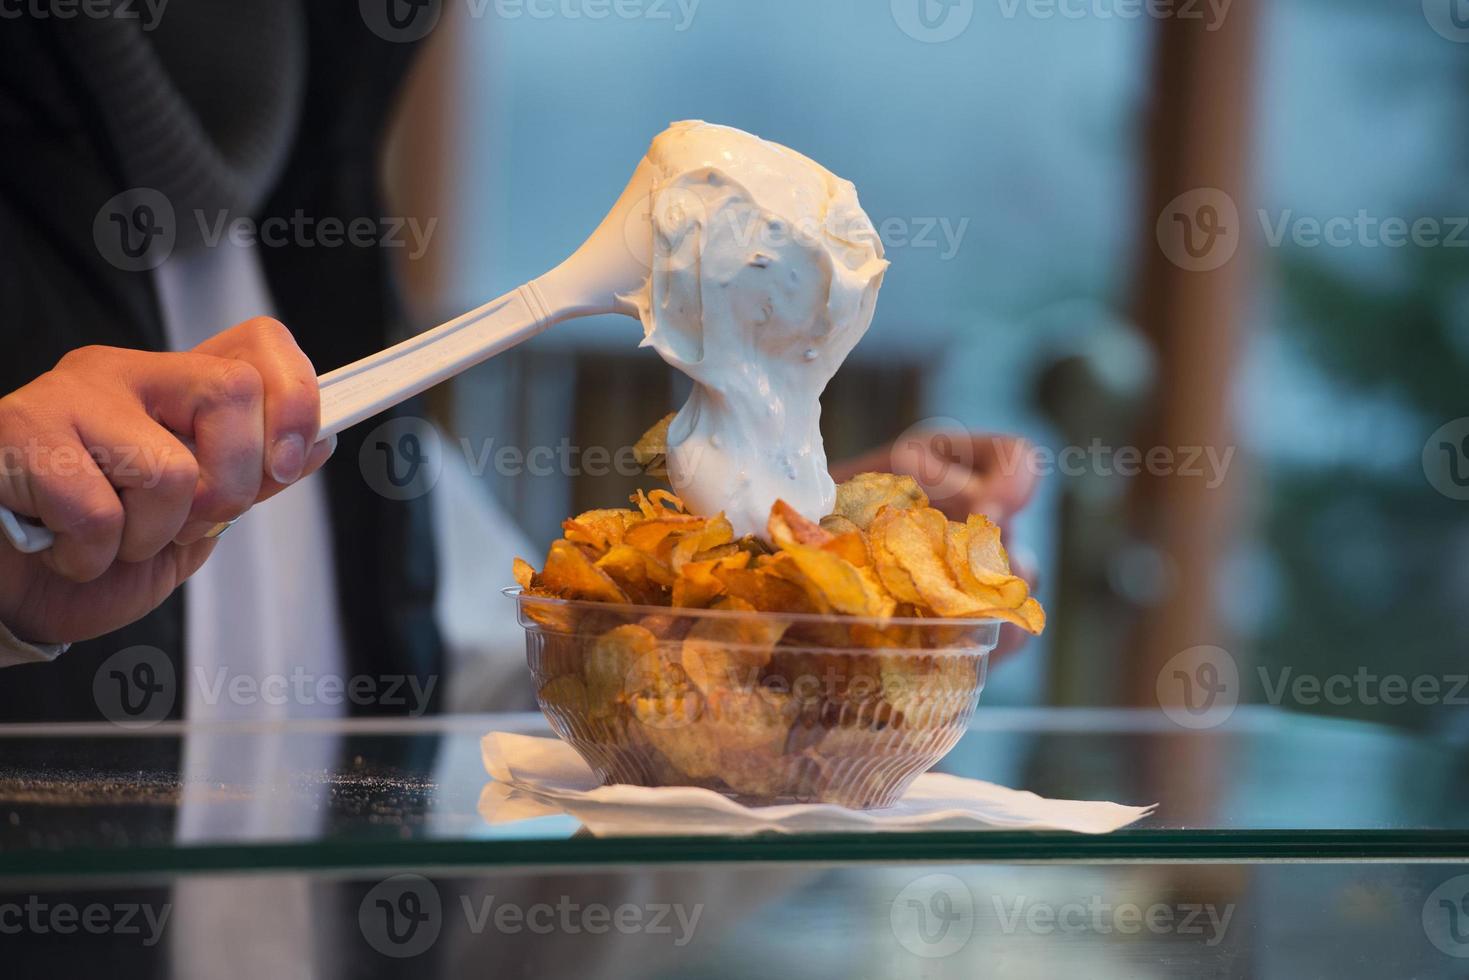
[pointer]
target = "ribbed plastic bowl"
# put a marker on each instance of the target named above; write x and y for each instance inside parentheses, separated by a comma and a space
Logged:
(839, 710)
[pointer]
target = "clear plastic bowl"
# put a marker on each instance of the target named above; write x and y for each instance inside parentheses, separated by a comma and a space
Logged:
(763, 707)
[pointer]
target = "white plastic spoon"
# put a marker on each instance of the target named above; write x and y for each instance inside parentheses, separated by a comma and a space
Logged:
(613, 263)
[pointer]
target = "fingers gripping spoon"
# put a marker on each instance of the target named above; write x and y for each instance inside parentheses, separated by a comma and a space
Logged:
(611, 264)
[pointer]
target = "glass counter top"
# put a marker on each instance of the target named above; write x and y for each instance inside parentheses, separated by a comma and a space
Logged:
(354, 795)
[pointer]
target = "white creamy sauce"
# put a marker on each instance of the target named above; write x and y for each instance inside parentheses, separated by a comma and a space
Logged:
(765, 274)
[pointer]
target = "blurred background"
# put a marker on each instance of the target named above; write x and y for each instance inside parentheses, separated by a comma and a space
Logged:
(1209, 257)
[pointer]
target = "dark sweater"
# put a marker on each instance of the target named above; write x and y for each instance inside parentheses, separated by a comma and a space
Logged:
(265, 108)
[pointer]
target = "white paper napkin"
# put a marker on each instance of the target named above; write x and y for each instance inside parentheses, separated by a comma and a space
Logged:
(535, 777)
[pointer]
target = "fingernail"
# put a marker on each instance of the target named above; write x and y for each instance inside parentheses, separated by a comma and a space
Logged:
(288, 459)
(331, 446)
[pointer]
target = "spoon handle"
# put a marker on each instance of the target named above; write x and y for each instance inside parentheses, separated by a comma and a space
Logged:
(376, 383)
(379, 381)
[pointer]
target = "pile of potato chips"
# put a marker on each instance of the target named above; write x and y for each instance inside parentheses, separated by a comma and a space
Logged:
(846, 704)
(883, 553)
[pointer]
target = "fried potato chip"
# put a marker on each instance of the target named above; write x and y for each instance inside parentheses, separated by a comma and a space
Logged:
(764, 591)
(651, 451)
(860, 498)
(643, 578)
(566, 694)
(647, 535)
(987, 588)
(786, 526)
(570, 574)
(894, 577)
(598, 529)
(619, 662)
(907, 538)
(729, 652)
(525, 573)
(884, 553)
(698, 583)
(715, 533)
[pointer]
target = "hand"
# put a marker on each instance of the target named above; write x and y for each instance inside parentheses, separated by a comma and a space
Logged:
(130, 458)
(964, 474)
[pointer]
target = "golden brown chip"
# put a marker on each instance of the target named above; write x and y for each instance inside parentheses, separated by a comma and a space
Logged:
(643, 578)
(988, 588)
(714, 533)
(651, 451)
(619, 662)
(764, 590)
(698, 583)
(571, 574)
(566, 694)
(787, 526)
(860, 498)
(894, 577)
(838, 525)
(727, 652)
(524, 572)
(907, 538)
(598, 529)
